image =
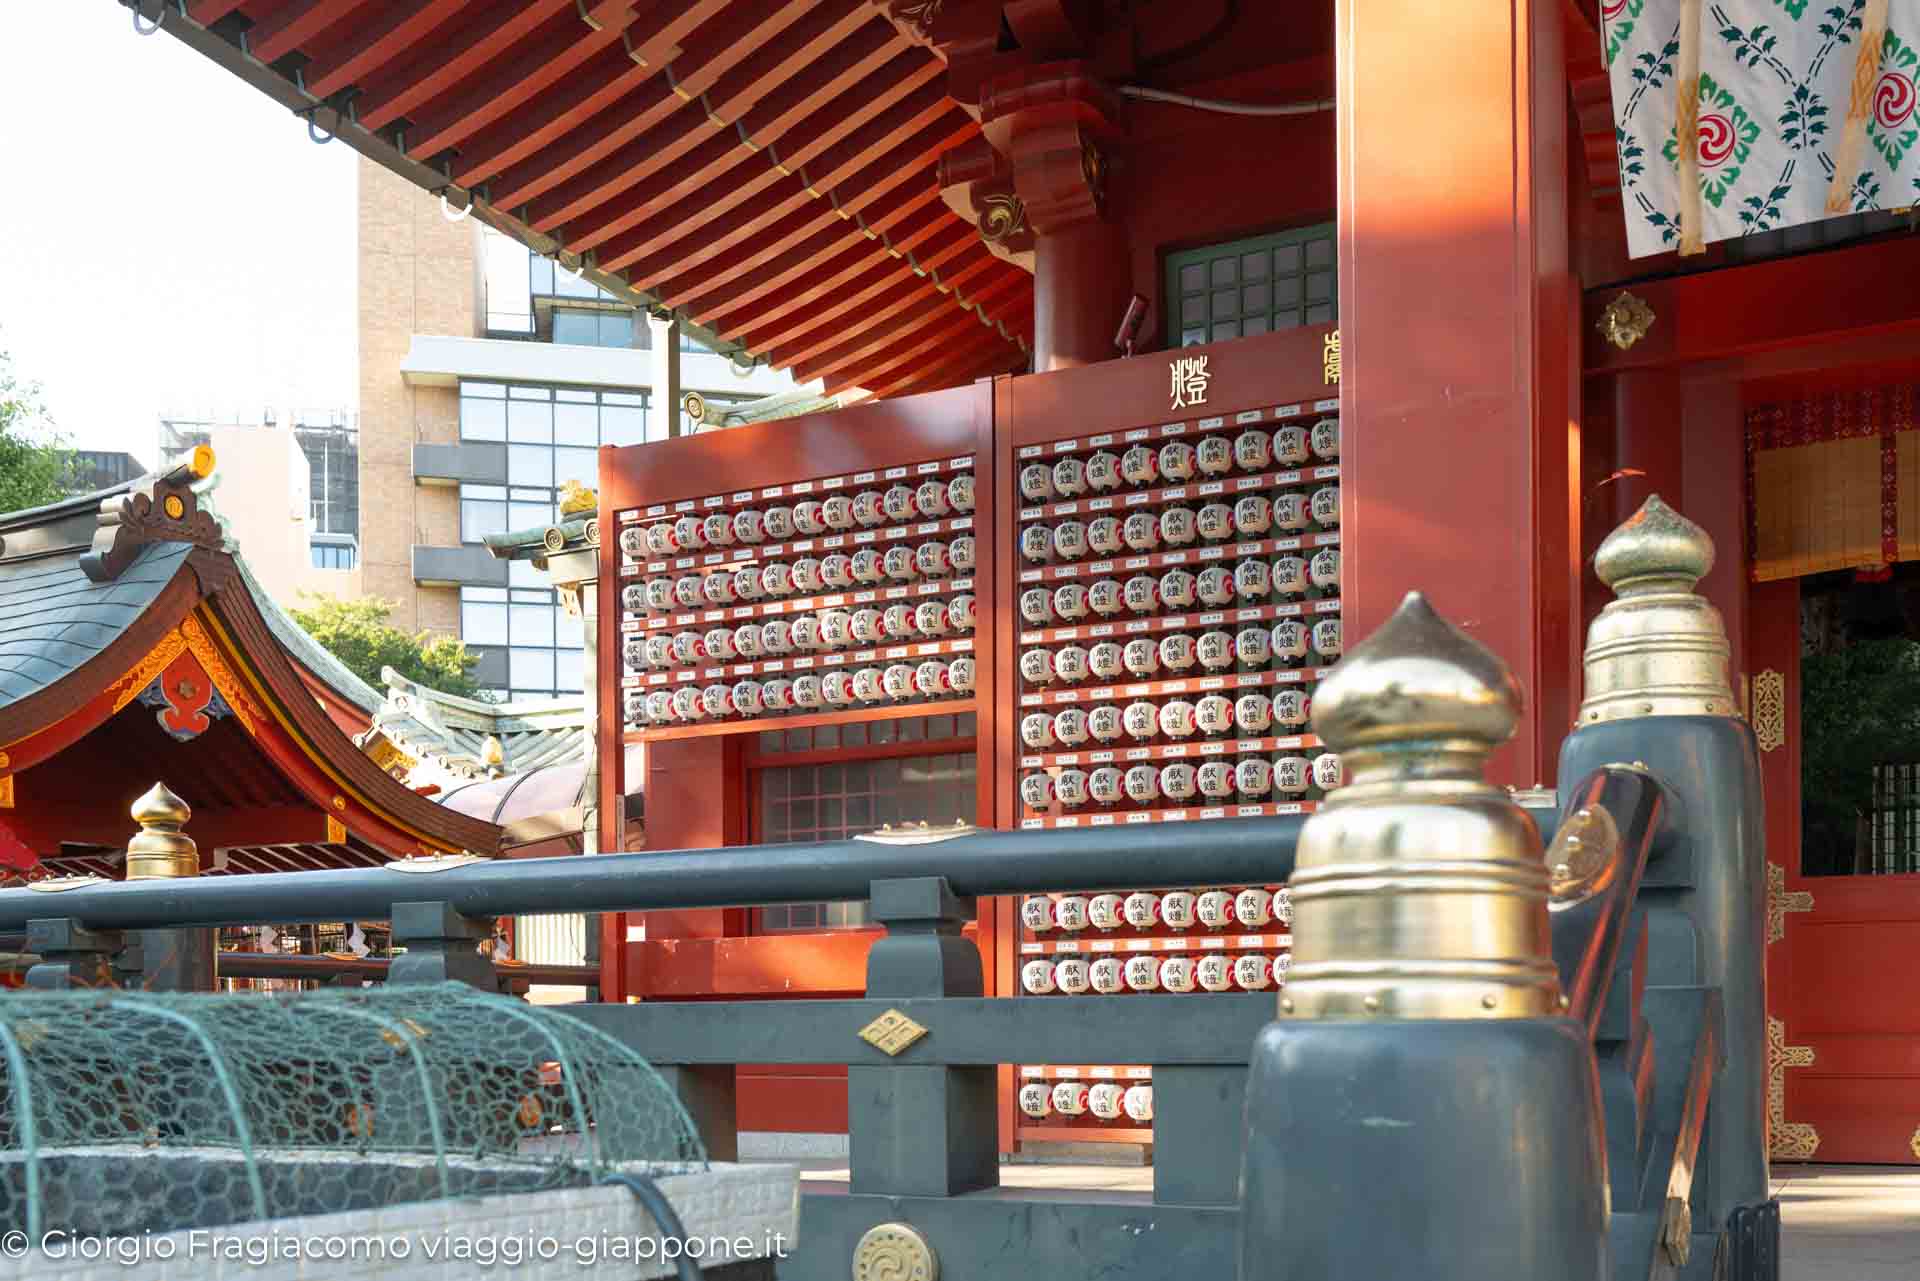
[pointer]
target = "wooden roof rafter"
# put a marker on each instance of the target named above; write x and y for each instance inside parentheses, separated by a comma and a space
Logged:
(669, 149)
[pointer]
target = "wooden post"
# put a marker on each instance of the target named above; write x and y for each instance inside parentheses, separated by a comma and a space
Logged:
(1459, 398)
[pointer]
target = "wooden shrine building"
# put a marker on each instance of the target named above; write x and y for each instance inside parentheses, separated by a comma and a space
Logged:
(134, 647)
(1529, 260)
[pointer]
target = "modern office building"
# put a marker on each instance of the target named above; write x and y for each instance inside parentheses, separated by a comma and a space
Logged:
(488, 379)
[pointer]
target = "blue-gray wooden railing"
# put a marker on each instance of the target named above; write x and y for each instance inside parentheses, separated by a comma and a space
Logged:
(1654, 963)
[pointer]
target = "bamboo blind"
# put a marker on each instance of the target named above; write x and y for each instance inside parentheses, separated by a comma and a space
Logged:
(1817, 507)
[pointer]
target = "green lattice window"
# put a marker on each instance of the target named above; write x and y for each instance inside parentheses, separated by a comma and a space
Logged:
(1254, 286)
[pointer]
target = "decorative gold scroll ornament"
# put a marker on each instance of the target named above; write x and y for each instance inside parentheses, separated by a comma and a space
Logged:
(1779, 902)
(1770, 710)
(1625, 320)
(1001, 216)
(1786, 1140)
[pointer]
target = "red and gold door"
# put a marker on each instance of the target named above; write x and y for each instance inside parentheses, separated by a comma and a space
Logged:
(1843, 1004)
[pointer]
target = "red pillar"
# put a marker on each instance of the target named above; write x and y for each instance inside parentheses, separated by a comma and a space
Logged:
(1458, 317)
(1647, 435)
(1081, 284)
(1714, 496)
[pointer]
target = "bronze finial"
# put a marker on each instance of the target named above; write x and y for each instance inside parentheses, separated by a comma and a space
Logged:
(1659, 649)
(1419, 890)
(159, 850)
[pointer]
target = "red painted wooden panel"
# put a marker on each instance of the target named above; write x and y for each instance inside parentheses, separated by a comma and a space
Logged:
(791, 1103)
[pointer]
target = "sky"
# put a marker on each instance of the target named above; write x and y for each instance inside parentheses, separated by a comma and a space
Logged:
(170, 239)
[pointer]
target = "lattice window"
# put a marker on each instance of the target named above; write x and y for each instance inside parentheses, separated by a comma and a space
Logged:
(1254, 286)
(1894, 823)
(824, 796)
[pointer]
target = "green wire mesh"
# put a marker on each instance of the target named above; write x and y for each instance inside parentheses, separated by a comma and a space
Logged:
(130, 1112)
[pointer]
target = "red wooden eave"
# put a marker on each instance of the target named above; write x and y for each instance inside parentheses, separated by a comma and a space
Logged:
(763, 167)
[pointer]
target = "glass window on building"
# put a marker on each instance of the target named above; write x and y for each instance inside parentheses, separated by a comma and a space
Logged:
(1250, 287)
(483, 511)
(483, 615)
(593, 328)
(333, 484)
(552, 435)
(332, 553)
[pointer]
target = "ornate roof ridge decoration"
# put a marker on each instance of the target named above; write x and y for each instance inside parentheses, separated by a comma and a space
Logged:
(158, 508)
(418, 726)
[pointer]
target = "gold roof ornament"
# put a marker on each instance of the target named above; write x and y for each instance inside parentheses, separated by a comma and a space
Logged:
(492, 755)
(1419, 890)
(1659, 649)
(159, 850)
(576, 498)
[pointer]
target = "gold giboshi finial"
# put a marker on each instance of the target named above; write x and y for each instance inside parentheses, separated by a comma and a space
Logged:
(1419, 890)
(159, 850)
(1659, 648)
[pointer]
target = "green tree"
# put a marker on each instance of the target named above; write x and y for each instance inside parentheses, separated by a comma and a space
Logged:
(358, 634)
(34, 468)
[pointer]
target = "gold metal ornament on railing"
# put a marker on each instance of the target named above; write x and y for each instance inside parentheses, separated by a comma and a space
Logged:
(1419, 890)
(1659, 648)
(159, 850)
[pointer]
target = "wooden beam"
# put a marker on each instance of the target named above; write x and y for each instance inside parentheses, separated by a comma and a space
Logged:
(597, 84)
(892, 183)
(884, 300)
(906, 137)
(1852, 293)
(791, 309)
(655, 37)
(826, 260)
(509, 81)
(282, 30)
(670, 125)
(44, 826)
(437, 67)
(364, 48)
(731, 199)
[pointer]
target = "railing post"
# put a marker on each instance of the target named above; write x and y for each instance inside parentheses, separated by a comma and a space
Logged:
(1423, 1107)
(918, 1130)
(441, 945)
(71, 955)
(1658, 694)
(170, 960)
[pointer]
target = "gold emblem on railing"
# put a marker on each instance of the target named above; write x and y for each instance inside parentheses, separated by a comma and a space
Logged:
(894, 1252)
(1419, 890)
(1580, 861)
(891, 1033)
